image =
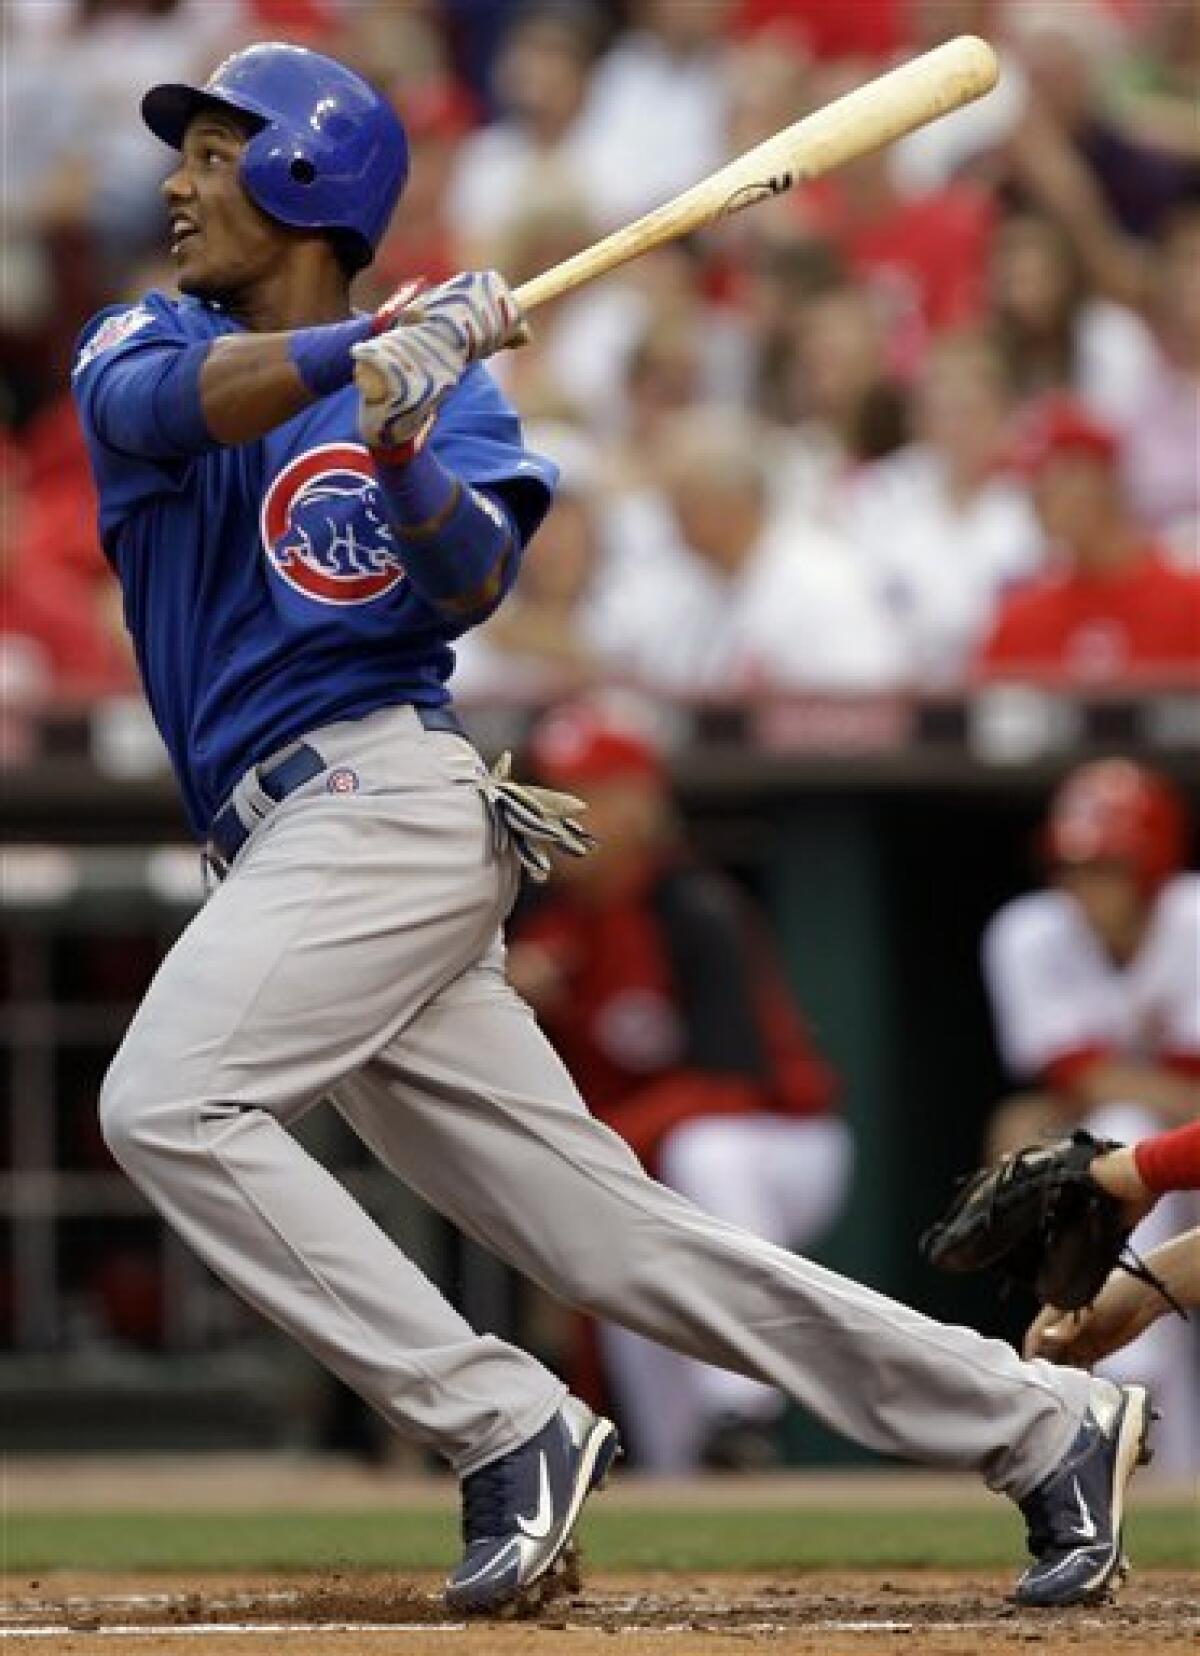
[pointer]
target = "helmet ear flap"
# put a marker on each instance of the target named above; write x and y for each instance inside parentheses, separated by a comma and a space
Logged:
(281, 176)
(286, 181)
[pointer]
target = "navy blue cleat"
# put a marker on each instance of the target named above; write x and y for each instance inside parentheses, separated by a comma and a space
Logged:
(519, 1512)
(1075, 1516)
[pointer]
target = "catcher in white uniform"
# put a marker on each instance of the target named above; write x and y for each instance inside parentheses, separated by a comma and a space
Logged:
(1095, 991)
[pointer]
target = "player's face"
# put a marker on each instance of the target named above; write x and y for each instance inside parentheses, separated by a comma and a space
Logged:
(221, 244)
(1112, 905)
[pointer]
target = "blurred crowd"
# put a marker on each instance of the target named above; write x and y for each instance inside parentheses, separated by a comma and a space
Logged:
(931, 419)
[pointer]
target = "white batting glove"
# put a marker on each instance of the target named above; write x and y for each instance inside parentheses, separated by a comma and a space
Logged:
(479, 308)
(533, 820)
(414, 366)
(425, 348)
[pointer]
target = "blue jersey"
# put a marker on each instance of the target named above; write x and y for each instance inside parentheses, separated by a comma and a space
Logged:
(262, 584)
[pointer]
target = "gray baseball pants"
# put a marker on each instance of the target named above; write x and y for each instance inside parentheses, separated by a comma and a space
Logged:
(354, 950)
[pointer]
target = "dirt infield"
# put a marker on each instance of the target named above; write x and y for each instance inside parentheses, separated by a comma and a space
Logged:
(334, 1603)
(833, 1614)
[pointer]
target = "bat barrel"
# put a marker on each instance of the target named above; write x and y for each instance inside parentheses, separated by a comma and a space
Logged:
(877, 113)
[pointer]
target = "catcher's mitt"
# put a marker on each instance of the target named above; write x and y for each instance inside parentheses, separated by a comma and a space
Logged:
(1038, 1219)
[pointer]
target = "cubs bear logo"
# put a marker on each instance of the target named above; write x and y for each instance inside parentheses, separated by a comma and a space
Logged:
(323, 527)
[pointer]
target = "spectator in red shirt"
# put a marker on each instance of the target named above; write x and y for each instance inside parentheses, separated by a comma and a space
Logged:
(657, 986)
(1114, 611)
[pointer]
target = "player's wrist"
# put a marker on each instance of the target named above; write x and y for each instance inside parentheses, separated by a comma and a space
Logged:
(1116, 1172)
(419, 492)
(322, 356)
(402, 453)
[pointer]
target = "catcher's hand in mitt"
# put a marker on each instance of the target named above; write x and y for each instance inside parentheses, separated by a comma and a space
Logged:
(1039, 1219)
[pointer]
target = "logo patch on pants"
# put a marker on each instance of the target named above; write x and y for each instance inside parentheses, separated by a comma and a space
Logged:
(342, 781)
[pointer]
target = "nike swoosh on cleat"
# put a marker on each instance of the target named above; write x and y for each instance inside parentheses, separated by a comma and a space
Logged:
(537, 1527)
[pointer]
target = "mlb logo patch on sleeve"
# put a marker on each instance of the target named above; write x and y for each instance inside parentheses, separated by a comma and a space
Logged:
(114, 331)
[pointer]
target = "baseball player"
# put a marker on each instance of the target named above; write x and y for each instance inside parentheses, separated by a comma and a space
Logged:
(1095, 988)
(295, 563)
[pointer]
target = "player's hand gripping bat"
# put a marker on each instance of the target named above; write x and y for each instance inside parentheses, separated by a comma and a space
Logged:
(866, 119)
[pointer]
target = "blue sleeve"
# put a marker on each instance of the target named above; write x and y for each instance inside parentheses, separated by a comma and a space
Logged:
(458, 544)
(477, 436)
(136, 382)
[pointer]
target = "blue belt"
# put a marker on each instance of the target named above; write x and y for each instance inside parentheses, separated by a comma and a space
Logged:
(280, 777)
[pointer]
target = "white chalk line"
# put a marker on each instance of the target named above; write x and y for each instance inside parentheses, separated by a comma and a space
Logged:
(740, 1629)
(200, 1630)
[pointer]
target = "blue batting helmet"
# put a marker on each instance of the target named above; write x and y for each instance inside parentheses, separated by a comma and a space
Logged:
(327, 152)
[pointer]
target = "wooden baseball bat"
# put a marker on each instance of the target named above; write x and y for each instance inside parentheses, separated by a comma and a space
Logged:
(866, 119)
